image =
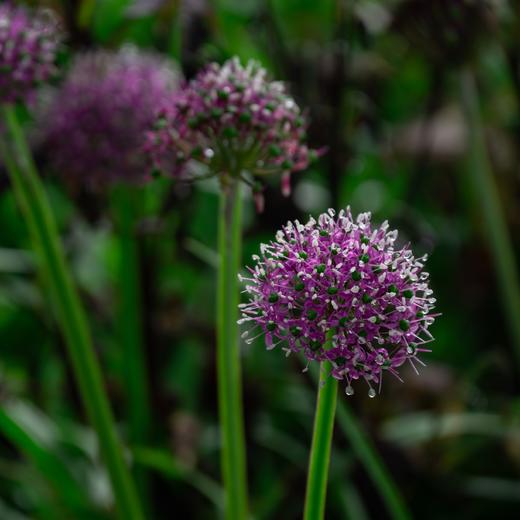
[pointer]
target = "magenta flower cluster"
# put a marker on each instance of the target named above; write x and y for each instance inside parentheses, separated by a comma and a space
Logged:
(344, 277)
(29, 41)
(234, 120)
(95, 125)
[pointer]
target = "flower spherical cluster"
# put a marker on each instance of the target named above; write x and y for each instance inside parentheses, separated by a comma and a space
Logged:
(233, 119)
(342, 277)
(29, 41)
(95, 124)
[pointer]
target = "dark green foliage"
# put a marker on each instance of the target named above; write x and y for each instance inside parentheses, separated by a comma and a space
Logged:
(382, 92)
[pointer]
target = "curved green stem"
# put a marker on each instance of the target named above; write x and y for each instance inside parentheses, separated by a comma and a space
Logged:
(233, 458)
(321, 442)
(484, 186)
(42, 227)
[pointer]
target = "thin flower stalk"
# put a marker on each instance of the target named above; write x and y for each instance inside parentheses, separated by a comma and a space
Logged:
(70, 314)
(29, 42)
(316, 493)
(92, 128)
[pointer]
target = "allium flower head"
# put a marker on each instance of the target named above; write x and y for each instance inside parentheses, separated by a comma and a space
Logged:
(29, 41)
(234, 120)
(95, 124)
(347, 276)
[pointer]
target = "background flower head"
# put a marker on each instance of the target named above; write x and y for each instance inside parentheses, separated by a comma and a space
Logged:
(348, 276)
(95, 124)
(29, 41)
(232, 118)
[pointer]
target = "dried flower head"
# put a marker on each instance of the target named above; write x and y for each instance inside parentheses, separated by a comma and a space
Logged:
(234, 120)
(29, 41)
(348, 277)
(95, 124)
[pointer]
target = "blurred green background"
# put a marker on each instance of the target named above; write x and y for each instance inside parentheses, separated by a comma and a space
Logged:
(385, 91)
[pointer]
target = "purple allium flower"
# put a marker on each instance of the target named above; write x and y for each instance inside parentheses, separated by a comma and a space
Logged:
(29, 41)
(234, 120)
(346, 276)
(96, 122)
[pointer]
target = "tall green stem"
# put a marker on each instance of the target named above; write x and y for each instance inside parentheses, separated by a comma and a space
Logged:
(42, 227)
(480, 177)
(369, 458)
(233, 458)
(127, 202)
(321, 442)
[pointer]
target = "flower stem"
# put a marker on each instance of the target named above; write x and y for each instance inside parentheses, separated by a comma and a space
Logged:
(369, 458)
(127, 207)
(373, 464)
(485, 188)
(233, 458)
(44, 234)
(321, 442)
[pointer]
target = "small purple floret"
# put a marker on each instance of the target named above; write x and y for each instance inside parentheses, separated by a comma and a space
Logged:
(343, 275)
(96, 122)
(29, 41)
(235, 121)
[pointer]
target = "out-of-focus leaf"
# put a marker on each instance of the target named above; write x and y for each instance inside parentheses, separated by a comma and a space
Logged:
(208, 255)
(18, 292)
(283, 444)
(492, 488)
(35, 436)
(7, 513)
(163, 462)
(349, 499)
(232, 28)
(306, 20)
(422, 427)
(108, 17)
(16, 261)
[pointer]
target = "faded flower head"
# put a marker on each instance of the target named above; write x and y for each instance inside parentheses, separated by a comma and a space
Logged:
(29, 41)
(234, 120)
(343, 275)
(96, 122)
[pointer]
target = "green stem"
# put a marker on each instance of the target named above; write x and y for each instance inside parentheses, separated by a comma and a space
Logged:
(369, 458)
(321, 441)
(233, 458)
(480, 176)
(130, 324)
(42, 227)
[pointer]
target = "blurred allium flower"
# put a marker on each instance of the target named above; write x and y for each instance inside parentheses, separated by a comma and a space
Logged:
(29, 41)
(95, 124)
(347, 276)
(237, 122)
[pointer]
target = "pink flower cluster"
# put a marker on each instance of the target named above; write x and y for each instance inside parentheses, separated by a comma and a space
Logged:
(346, 277)
(29, 41)
(96, 123)
(234, 120)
